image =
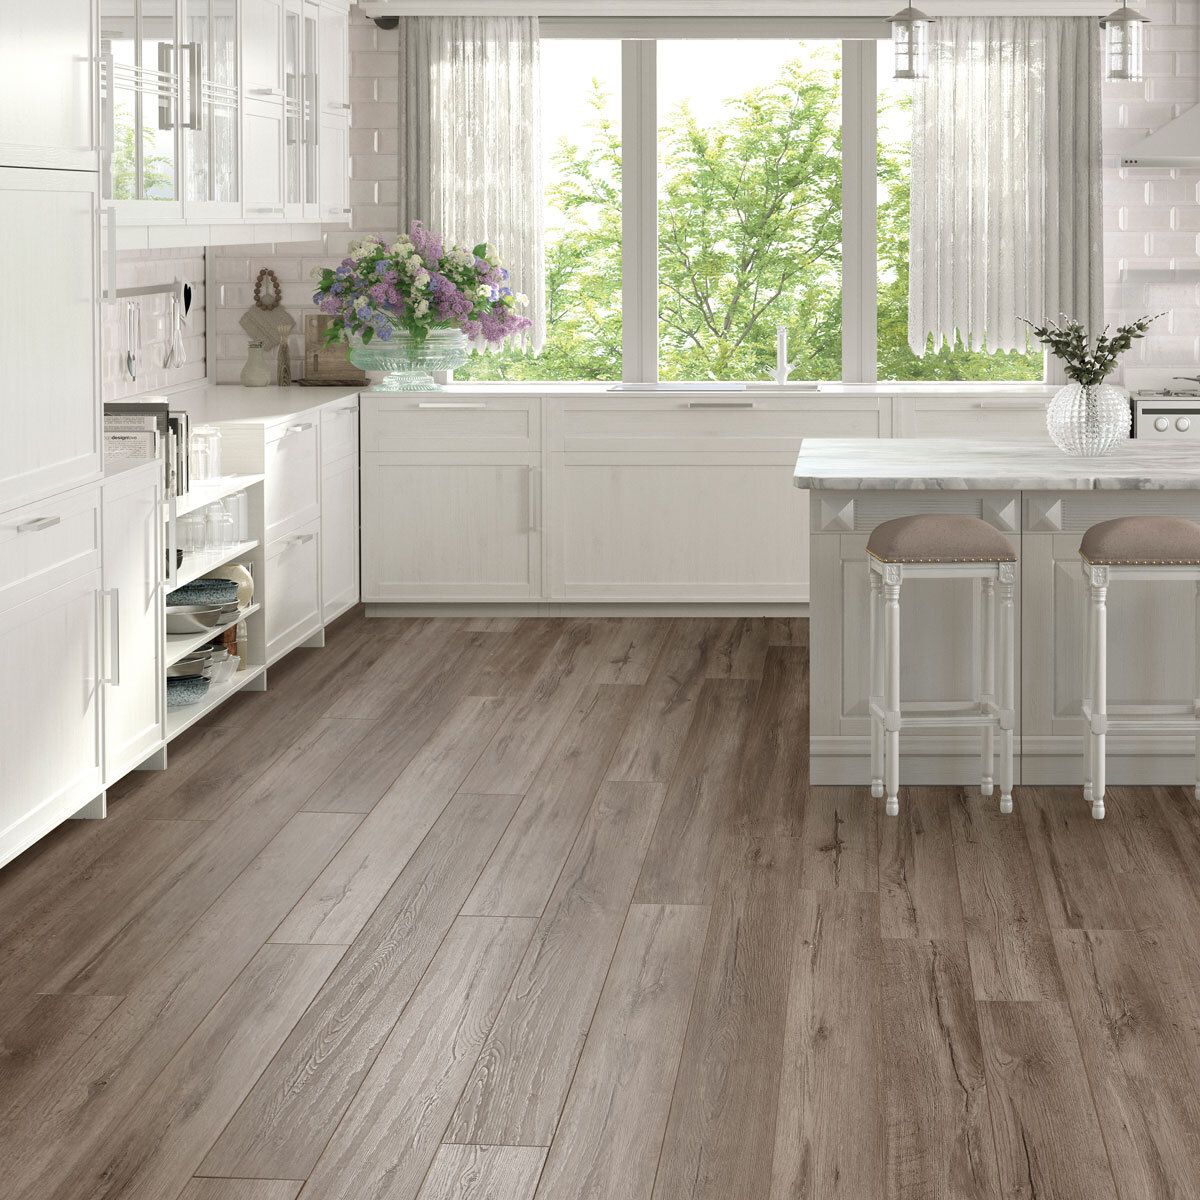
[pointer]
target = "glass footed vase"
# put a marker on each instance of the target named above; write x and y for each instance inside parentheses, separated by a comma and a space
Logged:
(1090, 420)
(406, 362)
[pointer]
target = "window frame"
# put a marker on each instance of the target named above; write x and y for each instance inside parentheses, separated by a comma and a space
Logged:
(860, 38)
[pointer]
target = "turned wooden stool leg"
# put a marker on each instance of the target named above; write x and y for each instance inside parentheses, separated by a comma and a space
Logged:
(1099, 594)
(1007, 686)
(987, 682)
(891, 635)
(876, 688)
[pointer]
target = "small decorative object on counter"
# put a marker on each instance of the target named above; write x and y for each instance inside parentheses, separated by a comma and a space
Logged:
(1088, 417)
(415, 306)
(268, 321)
(255, 373)
(325, 362)
(283, 365)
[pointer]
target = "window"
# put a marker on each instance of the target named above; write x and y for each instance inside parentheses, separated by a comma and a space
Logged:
(717, 206)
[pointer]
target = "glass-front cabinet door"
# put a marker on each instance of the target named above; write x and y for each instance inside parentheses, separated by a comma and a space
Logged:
(293, 150)
(311, 113)
(140, 106)
(212, 187)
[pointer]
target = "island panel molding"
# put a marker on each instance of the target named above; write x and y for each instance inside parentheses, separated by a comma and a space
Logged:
(1057, 498)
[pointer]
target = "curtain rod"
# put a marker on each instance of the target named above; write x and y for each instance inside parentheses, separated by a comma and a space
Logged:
(691, 10)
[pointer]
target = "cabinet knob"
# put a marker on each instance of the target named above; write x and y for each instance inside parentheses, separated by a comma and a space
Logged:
(1183, 424)
(1161, 423)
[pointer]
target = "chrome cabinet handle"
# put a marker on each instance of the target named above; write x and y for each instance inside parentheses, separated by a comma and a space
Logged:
(37, 524)
(720, 404)
(301, 539)
(266, 92)
(268, 209)
(113, 596)
(348, 408)
(299, 428)
(447, 404)
(1014, 405)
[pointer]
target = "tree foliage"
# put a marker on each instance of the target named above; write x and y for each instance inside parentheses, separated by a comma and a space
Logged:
(750, 230)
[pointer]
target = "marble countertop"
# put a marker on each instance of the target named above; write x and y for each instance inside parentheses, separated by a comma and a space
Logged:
(979, 464)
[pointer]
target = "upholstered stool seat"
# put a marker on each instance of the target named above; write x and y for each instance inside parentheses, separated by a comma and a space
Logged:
(1142, 542)
(1146, 549)
(941, 546)
(939, 538)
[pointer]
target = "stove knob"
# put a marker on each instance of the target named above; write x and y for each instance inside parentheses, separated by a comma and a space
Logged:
(1160, 423)
(1183, 424)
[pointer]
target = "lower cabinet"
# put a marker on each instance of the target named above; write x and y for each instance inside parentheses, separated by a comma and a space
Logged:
(50, 752)
(451, 526)
(293, 590)
(339, 537)
(679, 527)
(132, 620)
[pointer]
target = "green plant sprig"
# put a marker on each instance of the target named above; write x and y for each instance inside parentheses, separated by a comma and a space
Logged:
(1086, 364)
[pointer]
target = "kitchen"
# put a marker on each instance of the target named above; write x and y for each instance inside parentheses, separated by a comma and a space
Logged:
(477, 752)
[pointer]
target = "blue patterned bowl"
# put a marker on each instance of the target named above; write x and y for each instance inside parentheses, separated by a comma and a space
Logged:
(189, 689)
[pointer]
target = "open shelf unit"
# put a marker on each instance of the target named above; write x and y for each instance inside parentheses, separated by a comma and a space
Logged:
(179, 719)
(179, 645)
(199, 562)
(203, 493)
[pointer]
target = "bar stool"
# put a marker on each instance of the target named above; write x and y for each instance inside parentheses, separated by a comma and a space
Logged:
(1132, 548)
(940, 546)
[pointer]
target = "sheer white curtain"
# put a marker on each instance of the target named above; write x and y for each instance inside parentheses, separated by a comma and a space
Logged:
(1006, 180)
(471, 153)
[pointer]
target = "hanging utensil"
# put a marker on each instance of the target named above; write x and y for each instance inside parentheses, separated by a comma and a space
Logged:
(130, 355)
(178, 354)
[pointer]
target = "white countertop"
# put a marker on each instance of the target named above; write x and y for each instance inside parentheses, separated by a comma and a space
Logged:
(226, 402)
(970, 464)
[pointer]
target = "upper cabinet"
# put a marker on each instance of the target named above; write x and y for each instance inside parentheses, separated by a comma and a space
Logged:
(140, 106)
(212, 129)
(50, 414)
(213, 113)
(47, 85)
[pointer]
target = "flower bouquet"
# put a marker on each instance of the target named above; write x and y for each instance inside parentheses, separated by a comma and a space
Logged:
(415, 306)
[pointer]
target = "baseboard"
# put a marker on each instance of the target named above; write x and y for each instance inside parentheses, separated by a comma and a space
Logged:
(567, 608)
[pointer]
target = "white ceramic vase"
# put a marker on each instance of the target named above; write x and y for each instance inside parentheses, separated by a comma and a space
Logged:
(1090, 420)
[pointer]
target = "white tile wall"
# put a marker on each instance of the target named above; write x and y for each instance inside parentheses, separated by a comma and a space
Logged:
(374, 204)
(1152, 215)
(138, 268)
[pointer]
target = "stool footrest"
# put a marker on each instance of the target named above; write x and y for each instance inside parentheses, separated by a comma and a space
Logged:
(947, 716)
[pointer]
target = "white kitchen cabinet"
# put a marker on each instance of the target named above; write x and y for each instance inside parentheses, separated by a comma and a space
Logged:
(678, 527)
(262, 47)
(339, 508)
(969, 415)
(690, 500)
(263, 122)
(50, 746)
(335, 168)
(212, 113)
(132, 619)
(292, 466)
(451, 526)
(292, 590)
(50, 412)
(339, 537)
(48, 89)
(142, 112)
(334, 76)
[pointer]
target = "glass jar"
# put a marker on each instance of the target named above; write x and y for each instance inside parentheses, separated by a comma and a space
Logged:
(255, 373)
(205, 452)
(220, 525)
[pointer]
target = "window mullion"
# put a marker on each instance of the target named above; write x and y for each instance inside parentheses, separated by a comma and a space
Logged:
(859, 252)
(639, 212)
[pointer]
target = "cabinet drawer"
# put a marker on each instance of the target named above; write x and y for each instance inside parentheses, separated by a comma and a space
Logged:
(339, 430)
(292, 467)
(45, 544)
(403, 423)
(293, 589)
(743, 421)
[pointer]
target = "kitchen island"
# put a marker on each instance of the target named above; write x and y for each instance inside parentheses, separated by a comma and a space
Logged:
(1043, 501)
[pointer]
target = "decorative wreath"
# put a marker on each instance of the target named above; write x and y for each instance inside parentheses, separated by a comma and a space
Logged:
(259, 302)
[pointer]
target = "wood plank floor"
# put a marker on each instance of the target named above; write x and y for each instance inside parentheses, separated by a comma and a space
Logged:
(545, 910)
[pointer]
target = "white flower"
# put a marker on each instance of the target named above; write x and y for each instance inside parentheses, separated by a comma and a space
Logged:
(422, 308)
(421, 278)
(493, 256)
(521, 298)
(315, 273)
(360, 250)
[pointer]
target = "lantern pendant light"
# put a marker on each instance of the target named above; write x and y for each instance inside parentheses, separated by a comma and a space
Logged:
(1123, 43)
(911, 29)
